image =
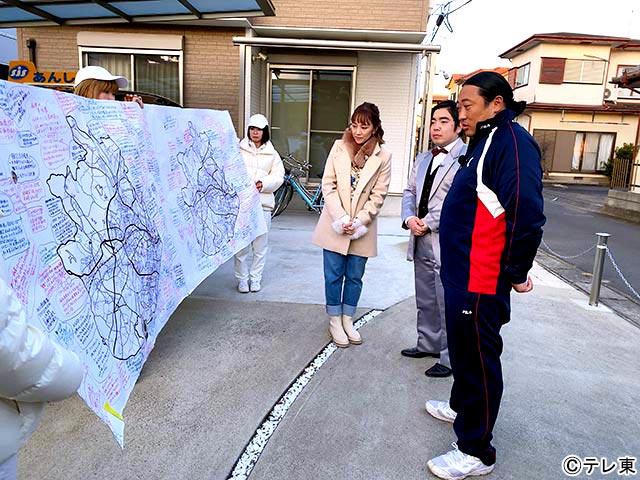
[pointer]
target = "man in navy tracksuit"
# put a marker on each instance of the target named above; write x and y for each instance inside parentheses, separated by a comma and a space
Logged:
(490, 229)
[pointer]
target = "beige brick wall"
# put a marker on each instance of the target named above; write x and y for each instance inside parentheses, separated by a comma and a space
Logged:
(407, 15)
(211, 62)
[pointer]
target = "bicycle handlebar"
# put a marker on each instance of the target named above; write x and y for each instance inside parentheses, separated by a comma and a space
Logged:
(291, 161)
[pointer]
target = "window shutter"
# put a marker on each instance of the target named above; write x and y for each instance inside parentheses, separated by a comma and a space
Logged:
(552, 70)
(512, 77)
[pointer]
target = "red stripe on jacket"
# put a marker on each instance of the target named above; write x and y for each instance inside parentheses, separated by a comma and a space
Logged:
(487, 245)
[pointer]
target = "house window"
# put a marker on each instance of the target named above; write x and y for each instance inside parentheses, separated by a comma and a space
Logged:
(626, 92)
(309, 110)
(584, 71)
(149, 71)
(522, 75)
(552, 70)
(591, 151)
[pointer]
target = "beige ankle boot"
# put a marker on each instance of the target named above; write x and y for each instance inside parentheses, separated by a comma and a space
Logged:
(352, 334)
(337, 332)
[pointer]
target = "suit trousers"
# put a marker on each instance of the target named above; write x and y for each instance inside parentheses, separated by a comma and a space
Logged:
(475, 345)
(431, 323)
(259, 246)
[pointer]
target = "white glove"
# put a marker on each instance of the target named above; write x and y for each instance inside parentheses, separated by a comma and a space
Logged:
(361, 230)
(338, 224)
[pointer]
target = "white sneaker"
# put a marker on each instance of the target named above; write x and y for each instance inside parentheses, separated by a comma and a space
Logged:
(255, 285)
(441, 410)
(243, 286)
(456, 465)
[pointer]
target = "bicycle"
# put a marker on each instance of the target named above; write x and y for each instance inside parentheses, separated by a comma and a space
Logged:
(283, 195)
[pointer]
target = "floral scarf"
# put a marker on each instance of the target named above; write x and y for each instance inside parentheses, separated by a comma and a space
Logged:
(359, 154)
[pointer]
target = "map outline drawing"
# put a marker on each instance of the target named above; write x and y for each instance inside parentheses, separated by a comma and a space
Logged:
(115, 250)
(212, 200)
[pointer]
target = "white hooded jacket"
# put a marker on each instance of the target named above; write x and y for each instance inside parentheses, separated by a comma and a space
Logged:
(263, 164)
(33, 370)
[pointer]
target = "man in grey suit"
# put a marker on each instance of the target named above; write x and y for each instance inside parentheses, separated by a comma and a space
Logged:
(422, 201)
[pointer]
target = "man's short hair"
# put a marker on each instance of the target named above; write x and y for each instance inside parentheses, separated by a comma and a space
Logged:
(452, 107)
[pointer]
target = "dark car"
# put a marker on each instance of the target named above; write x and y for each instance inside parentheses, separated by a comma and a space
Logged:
(147, 98)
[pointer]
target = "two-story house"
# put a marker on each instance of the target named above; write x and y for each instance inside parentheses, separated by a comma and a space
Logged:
(623, 199)
(303, 64)
(454, 85)
(575, 114)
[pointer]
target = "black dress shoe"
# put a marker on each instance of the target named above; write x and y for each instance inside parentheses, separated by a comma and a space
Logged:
(439, 371)
(415, 353)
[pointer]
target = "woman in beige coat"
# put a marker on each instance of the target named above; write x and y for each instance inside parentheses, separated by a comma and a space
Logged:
(355, 183)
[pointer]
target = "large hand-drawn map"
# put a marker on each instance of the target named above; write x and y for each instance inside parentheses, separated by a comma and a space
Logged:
(111, 216)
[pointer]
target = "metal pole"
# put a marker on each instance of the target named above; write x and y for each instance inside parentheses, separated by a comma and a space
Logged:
(598, 268)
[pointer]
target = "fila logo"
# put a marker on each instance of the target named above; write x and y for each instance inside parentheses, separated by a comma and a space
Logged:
(467, 312)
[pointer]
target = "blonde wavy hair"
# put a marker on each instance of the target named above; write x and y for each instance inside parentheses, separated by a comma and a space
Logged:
(91, 88)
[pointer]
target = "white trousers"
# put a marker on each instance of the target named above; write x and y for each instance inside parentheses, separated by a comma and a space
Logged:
(9, 468)
(259, 247)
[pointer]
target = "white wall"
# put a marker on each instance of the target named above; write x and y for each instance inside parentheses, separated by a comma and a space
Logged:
(389, 81)
(569, 93)
(528, 91)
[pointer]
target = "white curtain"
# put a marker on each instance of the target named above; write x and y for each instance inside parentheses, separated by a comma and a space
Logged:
(577, 151)
(590, 153)
(606, 149)
(116, 63)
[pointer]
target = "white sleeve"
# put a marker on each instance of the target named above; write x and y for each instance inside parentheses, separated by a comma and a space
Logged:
(33, 367)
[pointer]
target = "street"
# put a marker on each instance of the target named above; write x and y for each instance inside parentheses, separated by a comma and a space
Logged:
(572, 221)
(224, 359)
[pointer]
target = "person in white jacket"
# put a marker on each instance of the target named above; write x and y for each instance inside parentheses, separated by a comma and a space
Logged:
(265, 168)
(34, 369)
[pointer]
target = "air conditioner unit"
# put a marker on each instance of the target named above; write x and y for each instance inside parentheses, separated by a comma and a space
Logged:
(610, 95)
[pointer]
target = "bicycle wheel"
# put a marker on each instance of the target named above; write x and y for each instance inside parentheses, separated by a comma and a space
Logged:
(282, 196)
(319, 203)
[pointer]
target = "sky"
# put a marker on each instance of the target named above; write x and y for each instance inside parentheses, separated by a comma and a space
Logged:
(484, 29)
(8, 49)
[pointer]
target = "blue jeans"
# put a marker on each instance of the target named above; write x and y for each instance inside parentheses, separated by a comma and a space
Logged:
(342, 282)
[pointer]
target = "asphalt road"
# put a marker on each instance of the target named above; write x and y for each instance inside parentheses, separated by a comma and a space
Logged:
(572, 221)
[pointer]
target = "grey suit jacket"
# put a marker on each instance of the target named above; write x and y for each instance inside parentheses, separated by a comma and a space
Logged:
(441, 184)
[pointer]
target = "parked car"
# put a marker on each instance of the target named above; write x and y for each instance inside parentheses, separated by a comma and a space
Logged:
(147, 98)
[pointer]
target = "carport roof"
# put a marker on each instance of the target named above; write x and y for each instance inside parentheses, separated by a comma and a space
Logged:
(24, 13)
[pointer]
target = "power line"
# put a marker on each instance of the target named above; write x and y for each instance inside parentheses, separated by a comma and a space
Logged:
(445, 10)
(7, 35)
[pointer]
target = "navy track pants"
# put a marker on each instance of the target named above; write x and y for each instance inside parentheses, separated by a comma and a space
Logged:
(473, 334)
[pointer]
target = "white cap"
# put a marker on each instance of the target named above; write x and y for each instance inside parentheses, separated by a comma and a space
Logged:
(98, 73)
(258, 120)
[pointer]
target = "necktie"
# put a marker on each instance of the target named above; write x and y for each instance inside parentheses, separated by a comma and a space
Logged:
(438, 150)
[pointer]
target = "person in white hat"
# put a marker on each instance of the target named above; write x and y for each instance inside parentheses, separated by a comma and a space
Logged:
(265, 168)
(96, 82)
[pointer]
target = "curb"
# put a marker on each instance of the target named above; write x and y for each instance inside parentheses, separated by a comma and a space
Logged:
(621, 303)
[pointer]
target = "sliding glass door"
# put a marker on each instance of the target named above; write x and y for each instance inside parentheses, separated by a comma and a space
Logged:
(310, 109)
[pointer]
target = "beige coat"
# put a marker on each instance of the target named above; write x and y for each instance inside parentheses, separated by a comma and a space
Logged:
(366, 203)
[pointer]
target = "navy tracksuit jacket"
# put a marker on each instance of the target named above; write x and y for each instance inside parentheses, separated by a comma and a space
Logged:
(490, 229)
